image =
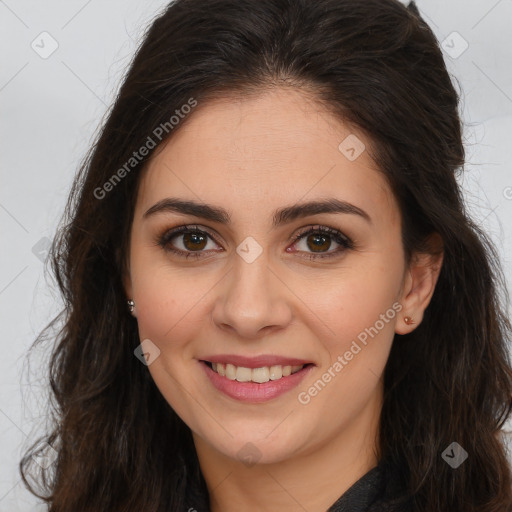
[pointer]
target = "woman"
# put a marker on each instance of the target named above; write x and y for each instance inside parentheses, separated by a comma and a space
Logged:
(275, 299)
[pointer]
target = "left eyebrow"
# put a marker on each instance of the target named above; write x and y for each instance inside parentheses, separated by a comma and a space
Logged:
(281, 216)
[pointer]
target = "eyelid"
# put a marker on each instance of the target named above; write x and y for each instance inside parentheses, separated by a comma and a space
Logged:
(168, 234)
(339, 237)
(312, 228)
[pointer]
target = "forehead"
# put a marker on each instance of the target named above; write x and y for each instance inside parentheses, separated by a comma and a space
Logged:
(259, 153)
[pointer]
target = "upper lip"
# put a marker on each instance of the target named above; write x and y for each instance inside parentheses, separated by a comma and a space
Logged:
(255, 362)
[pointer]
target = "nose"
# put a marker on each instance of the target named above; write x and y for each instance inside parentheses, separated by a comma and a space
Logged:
(252, 300)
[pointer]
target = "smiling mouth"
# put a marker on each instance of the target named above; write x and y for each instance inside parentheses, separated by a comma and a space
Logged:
(257, 375)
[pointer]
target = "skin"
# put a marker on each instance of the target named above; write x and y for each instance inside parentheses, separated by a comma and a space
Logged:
(255, 155)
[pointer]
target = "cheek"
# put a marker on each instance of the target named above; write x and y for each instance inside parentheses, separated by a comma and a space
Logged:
(358, 299)
(170, 312)
(158, 309)
(361, 312)
(360, 307)
(164, 309)
(172, 306)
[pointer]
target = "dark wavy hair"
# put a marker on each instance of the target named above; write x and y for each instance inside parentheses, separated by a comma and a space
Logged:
(376, 65)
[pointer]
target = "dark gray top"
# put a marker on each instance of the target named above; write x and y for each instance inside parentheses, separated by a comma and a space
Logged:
(380, 490)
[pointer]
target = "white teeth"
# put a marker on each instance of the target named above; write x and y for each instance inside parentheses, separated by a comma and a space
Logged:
(230, 371)
(259, 375)
(243, 374)
(276, 372)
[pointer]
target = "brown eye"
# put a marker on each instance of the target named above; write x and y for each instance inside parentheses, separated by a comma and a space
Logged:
(194, 241)
(318, 240)
(186, 241)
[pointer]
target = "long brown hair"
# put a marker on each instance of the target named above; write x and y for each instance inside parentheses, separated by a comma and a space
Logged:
(375, 64)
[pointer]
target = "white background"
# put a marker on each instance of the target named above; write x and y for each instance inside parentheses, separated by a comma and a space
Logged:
(51, 107)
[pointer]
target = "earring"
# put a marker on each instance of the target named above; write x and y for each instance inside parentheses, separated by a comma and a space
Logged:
(408, 320)
(131, 305)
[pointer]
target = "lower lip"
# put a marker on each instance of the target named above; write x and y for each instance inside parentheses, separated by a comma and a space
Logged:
(252, 391)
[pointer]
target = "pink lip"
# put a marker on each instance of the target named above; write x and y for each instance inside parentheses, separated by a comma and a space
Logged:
(255, 362)
(252, 391)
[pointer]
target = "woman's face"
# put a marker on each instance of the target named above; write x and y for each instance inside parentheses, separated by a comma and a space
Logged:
(252, 295)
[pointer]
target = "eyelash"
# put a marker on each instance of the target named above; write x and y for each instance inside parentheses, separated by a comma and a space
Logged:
(345, 242)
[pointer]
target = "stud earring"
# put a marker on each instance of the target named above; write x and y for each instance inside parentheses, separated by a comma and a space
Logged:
(408, 320)
(131, 305)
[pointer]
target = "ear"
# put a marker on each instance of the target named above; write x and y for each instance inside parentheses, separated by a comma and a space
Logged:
(419, 284)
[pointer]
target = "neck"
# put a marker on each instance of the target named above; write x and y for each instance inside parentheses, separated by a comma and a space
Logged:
(312, 480)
